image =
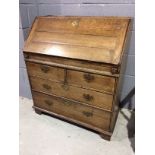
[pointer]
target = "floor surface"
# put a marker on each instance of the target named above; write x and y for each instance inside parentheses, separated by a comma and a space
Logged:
(45, 135)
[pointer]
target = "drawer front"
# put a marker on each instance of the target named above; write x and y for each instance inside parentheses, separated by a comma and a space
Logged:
(93, 81)
(95, 117)
(45, 71)
(90, 97)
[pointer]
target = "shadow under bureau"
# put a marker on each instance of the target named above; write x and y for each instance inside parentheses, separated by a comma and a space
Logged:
(74, 64)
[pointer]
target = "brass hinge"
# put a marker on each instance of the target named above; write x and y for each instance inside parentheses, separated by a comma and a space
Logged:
(26, 56)
(114, 70)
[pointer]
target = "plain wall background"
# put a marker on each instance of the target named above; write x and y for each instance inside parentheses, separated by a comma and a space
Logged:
(29, 9)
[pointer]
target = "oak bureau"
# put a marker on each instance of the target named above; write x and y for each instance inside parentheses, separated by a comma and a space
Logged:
(74, 64)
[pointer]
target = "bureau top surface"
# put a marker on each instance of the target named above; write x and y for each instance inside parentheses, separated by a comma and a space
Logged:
(98, 39)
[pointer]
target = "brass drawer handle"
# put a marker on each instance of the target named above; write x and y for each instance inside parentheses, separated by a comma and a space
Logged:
(44, 68)
(88, 77)
(49, 103)
(88, 97)
(88, 114)
(46, 86)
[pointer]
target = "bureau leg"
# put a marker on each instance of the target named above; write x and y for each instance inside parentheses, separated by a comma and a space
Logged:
(106, 137)
(38, 111)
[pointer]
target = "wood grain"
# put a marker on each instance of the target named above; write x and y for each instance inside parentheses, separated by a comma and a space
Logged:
(99, 39)
(82, 113)
(74, 64)
(85, 25)
(74, 121)
(80, 79)
(45, 71)
(76, 40)
(71, 51)
(84, 95)
(87, 80)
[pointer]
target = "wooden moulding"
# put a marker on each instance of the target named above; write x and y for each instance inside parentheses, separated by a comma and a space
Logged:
(104, 134)
(69, 61)
(84, 66)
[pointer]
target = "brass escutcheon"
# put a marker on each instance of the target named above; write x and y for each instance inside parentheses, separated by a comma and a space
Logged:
(75, 23)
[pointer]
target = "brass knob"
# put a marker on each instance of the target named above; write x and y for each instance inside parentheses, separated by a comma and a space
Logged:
(88, 77)
(114, 70)
(44, 68)
(27, 56)
(88, 97)
(49, 103)
(88, 114)
(75, 23)
(46, 86)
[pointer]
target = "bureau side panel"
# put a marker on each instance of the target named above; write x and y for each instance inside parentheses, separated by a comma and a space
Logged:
(115, 108)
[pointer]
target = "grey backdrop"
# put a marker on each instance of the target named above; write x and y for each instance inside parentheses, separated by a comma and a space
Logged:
(29, 9)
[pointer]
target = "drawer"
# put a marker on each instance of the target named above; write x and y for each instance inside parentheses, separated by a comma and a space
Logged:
(90, 97)
(89, 115)
(45, 71)
(93, 81)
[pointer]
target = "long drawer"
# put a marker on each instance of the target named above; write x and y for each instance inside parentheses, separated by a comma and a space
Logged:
(89, 115)
(80, 79)
(87, 96)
